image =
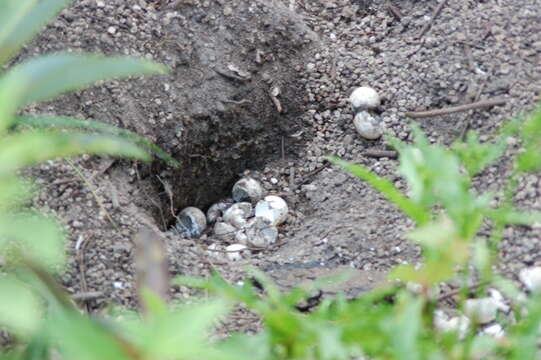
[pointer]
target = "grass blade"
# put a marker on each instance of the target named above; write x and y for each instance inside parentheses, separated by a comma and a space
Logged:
(73, 123)
(414, 211)
(26, 149)
(48, 76)
(21, 20)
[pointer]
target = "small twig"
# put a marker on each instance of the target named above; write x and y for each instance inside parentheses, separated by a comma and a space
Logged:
(457, 291)
(87, 295)
(92, 190)
(434, 16)
(316, 171)
(276, 103)
(80, 247)
(283, 149)
(454, 109)
(229, 76)
(240, 102)
(394, 12)
(381, 153)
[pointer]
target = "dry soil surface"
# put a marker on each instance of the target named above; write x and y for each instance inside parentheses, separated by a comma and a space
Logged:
(471, 50)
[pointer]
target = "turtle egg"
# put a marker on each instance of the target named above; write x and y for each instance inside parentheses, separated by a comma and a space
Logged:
(364, 98)
(366, 126)
(247, 189)
(238, 213)
(260, 232)
(272, 208)
(191, 222)
(531, 278)
(216, 210)
(234, 252)
(224, 231)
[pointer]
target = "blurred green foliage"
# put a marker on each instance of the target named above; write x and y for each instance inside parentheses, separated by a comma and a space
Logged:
(387, 323)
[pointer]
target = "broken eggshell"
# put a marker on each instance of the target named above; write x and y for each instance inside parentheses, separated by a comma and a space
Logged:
(247, 189)
(238, 214)
(191, 222)
(364, 98)
(224, 231)
(367, 126)
(234, 252)
(215, 211)
(273, 208)
(260, 232)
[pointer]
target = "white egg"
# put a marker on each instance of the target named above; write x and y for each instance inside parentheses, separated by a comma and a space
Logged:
(191, 222)
(247, 189)
(273, 208)
(238, 214)
(531, 278)
(364, 98)
(260, 232)
(367, 126)
(234, 252)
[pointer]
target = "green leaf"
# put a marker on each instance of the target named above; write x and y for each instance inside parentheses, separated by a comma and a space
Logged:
(30, 148)
(73, 123)
(21, 19)
(20, 308)
(82, 338)
(37, 237)
(530, 160)
(48, 76)
(477, 156)
(509, 216)
(411, 209)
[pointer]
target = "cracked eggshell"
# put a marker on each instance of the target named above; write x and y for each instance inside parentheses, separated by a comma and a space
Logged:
(366, 126)
(273, 208)
(247, 189)
(191, 222)
(238, 214)
(483, 309)
(224, 231)
(531, 278)
(260, 232)
(364, 98)
(234, 252)
(215, 211)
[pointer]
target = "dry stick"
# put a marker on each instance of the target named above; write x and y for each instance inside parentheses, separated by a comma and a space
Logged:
(394, 12)
(94, 193)
(86, 296)
(381, 153)
(434, 16)
(454, 109)
(79, 253)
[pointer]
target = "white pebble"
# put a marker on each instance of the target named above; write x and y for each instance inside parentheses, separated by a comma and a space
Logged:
(235, 251)
(531, 278)
(272, 208)
(483, 309)
(494, 330)
(364, 98)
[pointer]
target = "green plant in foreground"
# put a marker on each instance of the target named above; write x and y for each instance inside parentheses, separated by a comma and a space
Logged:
(389, 323)
(32, 307)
